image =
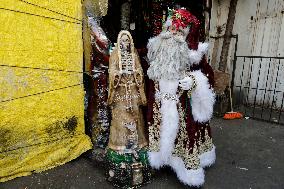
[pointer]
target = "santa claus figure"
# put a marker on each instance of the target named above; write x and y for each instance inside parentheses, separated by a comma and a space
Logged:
(181, 100)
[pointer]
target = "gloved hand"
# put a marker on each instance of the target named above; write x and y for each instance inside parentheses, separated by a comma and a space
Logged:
(186, 83)
(203, 48)
(195, 56)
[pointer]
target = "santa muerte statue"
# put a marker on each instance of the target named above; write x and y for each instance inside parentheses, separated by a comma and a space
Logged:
(126, 154)
(180, 104)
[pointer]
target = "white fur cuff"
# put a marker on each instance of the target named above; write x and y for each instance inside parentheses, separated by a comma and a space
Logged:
(191, 177)
(208, 158)
(203, 98)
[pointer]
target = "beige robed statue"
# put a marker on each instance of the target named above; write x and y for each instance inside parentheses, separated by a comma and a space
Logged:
(126, 148)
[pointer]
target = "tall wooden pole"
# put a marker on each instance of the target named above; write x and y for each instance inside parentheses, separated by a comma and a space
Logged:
(227, 36)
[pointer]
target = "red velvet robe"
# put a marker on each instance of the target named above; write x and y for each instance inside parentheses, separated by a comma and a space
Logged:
(194, 141)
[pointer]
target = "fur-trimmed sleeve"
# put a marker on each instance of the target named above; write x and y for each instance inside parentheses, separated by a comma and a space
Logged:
(195, 56)
(203, 98)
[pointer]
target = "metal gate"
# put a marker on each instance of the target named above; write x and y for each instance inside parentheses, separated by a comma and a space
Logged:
(258, 87)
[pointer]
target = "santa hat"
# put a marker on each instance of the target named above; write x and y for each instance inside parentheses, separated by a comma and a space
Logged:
(181, 19)
(184, 20)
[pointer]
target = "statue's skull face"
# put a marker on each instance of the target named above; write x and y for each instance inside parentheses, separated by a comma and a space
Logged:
(125, 42)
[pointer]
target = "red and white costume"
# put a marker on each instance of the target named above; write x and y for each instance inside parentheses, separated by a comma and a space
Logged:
(181, 99)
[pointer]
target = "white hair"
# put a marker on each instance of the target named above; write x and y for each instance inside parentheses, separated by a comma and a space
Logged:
(168, 56)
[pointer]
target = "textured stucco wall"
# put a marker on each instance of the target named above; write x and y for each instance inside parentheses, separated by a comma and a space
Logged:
(41, 111)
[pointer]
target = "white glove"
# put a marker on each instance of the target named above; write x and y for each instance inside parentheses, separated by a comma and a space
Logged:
(203, 48)
(196, 55)
(186, 83)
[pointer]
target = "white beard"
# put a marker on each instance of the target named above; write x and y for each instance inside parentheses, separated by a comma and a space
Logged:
(168, 56)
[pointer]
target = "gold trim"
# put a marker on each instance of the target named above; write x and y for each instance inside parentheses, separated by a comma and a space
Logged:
(207, 145)
(154, 129)
(188, 155)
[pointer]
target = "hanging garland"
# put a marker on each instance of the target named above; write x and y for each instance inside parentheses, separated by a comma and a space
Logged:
(100, 7)
(125, 16)
(159, 14)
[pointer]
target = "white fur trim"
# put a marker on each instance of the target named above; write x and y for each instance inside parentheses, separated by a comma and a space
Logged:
(155, 160)
(203, 98)
(186, 83)
(169, 121)
(168, 133)
(189, 177)
(208, 158)
(195, 56)
(169, 125)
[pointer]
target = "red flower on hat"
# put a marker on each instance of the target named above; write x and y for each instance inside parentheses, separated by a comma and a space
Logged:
(181, 18)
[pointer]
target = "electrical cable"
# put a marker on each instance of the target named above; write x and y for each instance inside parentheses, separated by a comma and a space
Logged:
(39, 93)
(52, 18)
(50, 10)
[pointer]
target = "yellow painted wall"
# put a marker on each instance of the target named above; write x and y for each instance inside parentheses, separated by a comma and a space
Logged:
(41, 111)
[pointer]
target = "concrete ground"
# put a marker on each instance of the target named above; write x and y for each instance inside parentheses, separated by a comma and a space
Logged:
(250, 155)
